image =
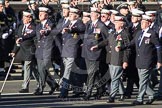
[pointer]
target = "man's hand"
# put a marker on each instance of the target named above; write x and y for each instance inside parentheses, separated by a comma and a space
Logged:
(125, 65)
(65, 30)
(93, 48)
(117, 48)
(19, 40)
(159, 65)
(42, 32)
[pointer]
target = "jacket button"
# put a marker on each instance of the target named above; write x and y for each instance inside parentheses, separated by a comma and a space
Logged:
(110, 46)
(38, 46)
(62, 44)
(109, 51)
(138, 55)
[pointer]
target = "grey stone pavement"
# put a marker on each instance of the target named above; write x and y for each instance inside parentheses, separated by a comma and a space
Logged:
(10, 98)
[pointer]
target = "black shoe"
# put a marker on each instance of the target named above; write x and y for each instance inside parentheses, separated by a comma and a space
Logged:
(38, 93)
(121, 98)
(78, 94)
(53, 89)
(61, 96)
(111, 100)
(155, 83)
(137, 102)
(24, 91)
(98, 97)
(127, 96)
(86, 97)
(150, 101)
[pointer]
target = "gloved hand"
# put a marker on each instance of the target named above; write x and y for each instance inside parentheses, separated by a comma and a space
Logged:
(10, 31)
(5, 35)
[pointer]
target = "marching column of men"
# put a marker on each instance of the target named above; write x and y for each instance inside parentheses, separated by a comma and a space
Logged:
(110, 41)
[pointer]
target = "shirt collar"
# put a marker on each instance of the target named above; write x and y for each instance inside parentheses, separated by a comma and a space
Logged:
(43, 22)
(145, 30)
(119, 31)
(94, 22)
(135, 24)
(107, 23)
(26, 25)
(152, 24)
(73, 22)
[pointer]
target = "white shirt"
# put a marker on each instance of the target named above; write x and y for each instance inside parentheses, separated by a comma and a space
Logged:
(94, 22)
(145, 31)
(135, 24)
(152, 24)
(107, 23)
(25, 27)
(43, 23)
(160, 32)
(72, 23)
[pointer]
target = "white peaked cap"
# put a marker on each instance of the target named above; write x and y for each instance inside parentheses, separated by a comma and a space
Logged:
(25, 13)
(64, 1)
(160, 2)
(43, 9)
(138, 11)
(105, 11)
(136, 14)
(150, 13)
(86, 13)
(94, 9)
(146, 17)
(114, 12)
(94, 1)
(131, 2)
(65, 6)
(119, 18)
(74, 10)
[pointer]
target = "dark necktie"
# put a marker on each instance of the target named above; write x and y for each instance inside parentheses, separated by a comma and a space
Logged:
(133, 29)
(64, 22)
(140, 38)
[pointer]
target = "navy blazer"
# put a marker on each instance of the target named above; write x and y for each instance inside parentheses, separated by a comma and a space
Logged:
(44, 43)
(149, 52)
(71, 40)
(91, 40)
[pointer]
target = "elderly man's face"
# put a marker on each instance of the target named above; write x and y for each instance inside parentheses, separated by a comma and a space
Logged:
(118, 24)
(72, 16)
(94, 16)
(134, 19)
(65, 12)
(85, 19)
(145, 24)
(26, 19)
(105, 17)
(43, 16)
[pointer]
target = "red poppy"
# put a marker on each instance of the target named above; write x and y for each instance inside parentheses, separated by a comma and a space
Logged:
(118, 38)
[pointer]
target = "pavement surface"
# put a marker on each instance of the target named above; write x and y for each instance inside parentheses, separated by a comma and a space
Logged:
(10, 98)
